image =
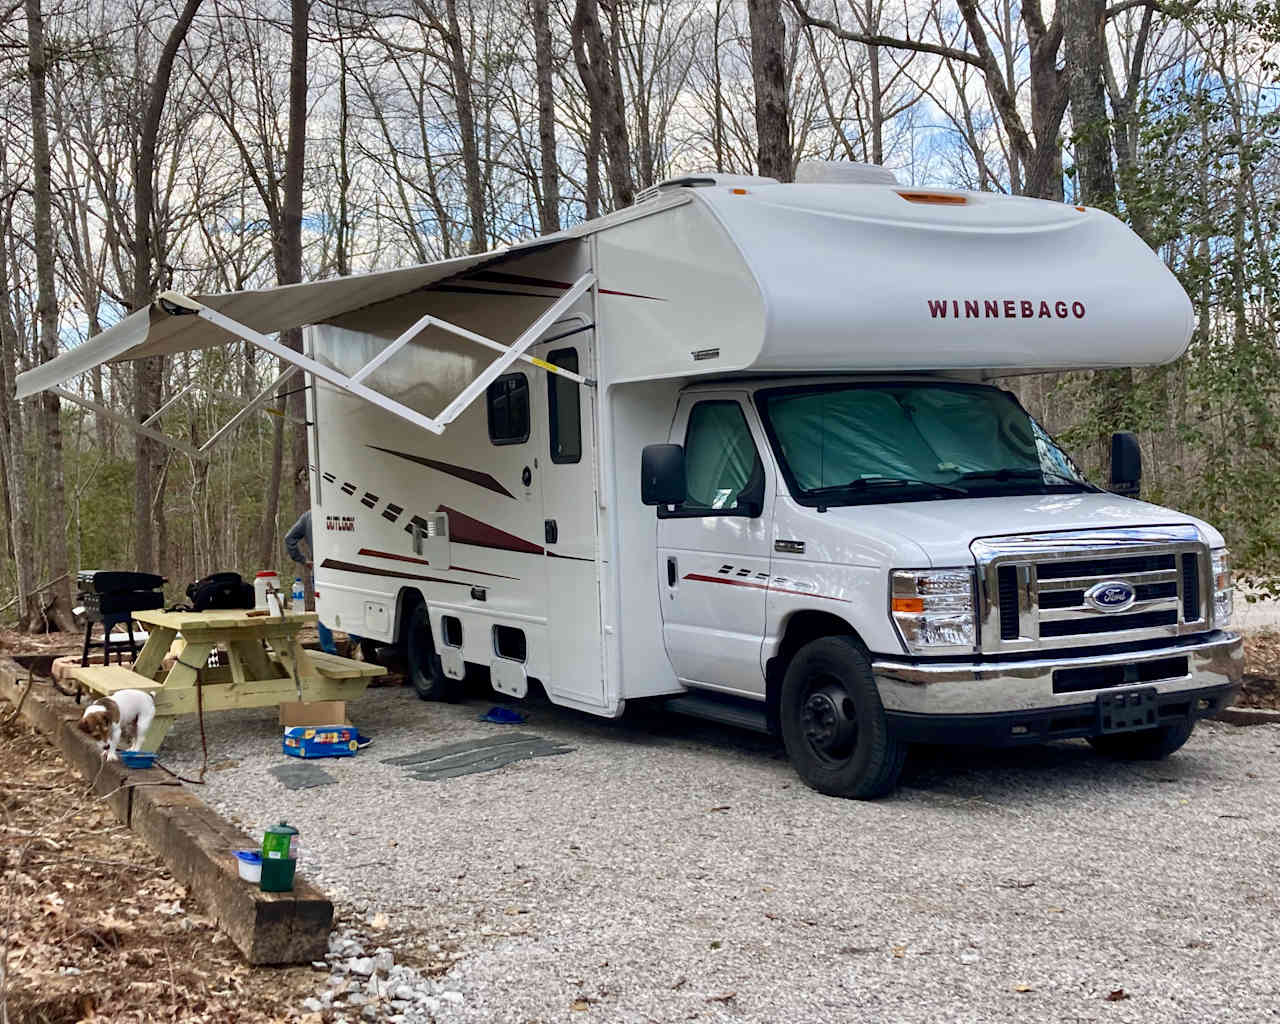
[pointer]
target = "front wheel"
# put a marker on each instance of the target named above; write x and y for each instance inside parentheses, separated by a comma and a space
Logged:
(833, 724)
(1144, 745)
(425, 671)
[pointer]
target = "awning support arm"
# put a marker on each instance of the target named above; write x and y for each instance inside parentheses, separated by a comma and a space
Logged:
(108, 413)
(531, 334)
(259, 399)
(179, 304)
(302, 362)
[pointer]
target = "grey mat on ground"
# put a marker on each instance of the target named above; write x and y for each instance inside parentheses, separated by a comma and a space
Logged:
(431, 753)
(301, 775)
(471, 756)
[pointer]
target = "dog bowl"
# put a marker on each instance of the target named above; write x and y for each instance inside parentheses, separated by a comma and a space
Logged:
(137, 758)
(250, 865)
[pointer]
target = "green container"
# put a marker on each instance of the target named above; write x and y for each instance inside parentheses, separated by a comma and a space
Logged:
(278, 860)
(277, 875)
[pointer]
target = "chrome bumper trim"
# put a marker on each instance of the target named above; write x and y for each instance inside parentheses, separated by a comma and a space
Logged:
(976, 688)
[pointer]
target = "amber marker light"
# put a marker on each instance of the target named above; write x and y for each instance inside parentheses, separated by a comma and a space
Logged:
(933, 198)
(738, 191)
(910, 605)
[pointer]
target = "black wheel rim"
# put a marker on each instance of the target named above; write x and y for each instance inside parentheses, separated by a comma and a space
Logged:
(829, 720)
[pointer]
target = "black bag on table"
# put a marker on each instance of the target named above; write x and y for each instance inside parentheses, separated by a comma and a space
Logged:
(222, 590)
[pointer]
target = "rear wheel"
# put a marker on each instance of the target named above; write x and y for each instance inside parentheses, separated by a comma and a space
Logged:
(833, 724)
(425, 671)
(1145, 745)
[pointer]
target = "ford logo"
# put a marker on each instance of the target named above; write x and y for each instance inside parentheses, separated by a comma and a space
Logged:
(1110, 596)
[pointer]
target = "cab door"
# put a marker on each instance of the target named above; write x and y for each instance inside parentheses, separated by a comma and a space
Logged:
(714, 549)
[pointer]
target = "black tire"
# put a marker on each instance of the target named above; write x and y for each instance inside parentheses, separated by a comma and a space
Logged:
(369, 651)
(425, 671)
(1145, 745)
(833, 724)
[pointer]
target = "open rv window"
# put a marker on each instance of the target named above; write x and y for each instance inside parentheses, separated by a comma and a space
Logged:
(564, 407)
(508, 401)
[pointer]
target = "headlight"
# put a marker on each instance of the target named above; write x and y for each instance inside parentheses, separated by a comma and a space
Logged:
(1223, 588)
(933, 608)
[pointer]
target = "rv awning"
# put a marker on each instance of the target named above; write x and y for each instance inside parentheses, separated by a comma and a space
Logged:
(179, 323)
(156, 331)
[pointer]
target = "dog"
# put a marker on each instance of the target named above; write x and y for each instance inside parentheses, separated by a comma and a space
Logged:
(109, 720)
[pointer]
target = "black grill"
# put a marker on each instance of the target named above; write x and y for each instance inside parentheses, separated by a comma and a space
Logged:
(1109, 623)
(1190, 588)
(111, 597)
(1123, 566)
(1007, 577)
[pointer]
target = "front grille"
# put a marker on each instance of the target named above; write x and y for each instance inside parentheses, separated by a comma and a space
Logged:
(1190, 587)
(1008, 575)
(1109, 623)
(1035, 587)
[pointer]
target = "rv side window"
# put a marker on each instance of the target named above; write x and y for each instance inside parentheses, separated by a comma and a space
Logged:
(723, 472)
(564, 407)
(508, 399)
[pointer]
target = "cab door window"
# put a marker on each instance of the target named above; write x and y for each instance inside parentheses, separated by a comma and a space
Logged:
(723, 471)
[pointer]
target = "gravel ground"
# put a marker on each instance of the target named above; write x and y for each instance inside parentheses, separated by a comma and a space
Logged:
(670, 870)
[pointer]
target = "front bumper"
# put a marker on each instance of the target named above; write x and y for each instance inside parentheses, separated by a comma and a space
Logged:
(1014, 701)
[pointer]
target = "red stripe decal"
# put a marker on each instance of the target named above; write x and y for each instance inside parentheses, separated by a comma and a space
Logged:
(332, 563)
(387, 554)
(463, 529)
(699, 578)
(542, 282)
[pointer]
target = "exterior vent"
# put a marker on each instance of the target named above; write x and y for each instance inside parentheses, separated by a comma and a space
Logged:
(842, 172)
(1008, 581)
(1190, 588)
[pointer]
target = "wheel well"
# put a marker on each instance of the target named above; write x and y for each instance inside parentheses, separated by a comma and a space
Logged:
(406, 601)
(801, 628)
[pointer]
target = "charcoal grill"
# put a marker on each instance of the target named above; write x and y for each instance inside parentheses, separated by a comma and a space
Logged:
(110, 598)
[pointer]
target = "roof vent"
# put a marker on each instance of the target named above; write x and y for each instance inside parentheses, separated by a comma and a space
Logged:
(705, 179)
(842, 172)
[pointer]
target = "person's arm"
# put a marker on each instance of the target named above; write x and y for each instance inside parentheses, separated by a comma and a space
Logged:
(292, 540)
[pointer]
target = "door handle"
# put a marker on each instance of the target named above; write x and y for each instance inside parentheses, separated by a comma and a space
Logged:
(551, 531)
(673, 572)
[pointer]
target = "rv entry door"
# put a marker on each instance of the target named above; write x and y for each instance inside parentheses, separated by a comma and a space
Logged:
(713, 551)
(570, 526)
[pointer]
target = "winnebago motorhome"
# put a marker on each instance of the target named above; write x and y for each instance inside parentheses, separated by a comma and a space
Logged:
(738, 447)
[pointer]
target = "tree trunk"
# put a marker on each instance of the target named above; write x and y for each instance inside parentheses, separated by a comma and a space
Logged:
(464, 102)
(291, 249)
(15, 462)
(47, 306)
(549, 205)
(148, 374)
(768, 75)
(604, 95)
(1087, 89)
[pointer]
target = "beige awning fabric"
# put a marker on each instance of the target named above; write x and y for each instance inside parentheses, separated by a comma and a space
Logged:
(153, 331)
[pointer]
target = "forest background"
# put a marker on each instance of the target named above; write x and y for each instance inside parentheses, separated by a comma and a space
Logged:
(214, 145)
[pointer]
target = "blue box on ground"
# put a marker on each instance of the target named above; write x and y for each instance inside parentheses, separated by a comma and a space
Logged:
(320, 740)
(318, 729)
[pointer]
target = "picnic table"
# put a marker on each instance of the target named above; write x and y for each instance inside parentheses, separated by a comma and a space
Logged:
(266, 665)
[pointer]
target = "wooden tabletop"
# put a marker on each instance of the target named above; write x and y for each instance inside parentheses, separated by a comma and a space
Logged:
(187, 622)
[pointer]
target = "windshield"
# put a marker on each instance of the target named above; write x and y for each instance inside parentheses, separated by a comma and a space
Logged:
(843, 444)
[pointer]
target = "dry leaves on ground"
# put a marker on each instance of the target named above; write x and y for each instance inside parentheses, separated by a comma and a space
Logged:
(98, 928)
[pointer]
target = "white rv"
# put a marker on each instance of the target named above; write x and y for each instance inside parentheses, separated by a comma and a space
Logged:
(738, 447)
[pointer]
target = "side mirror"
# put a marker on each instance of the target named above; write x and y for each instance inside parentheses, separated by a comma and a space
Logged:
(662, 474)
(1126, 464)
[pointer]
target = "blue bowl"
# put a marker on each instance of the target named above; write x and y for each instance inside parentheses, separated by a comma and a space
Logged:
(137, 758)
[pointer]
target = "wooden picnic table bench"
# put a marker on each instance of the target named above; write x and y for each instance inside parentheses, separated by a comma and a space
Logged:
(266, 665)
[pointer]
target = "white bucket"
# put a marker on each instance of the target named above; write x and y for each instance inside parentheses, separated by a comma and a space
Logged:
(262, 583)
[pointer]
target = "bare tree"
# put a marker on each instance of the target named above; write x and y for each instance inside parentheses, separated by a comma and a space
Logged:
(599, 73)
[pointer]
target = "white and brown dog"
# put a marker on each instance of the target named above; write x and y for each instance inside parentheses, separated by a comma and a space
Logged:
(108, 720)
